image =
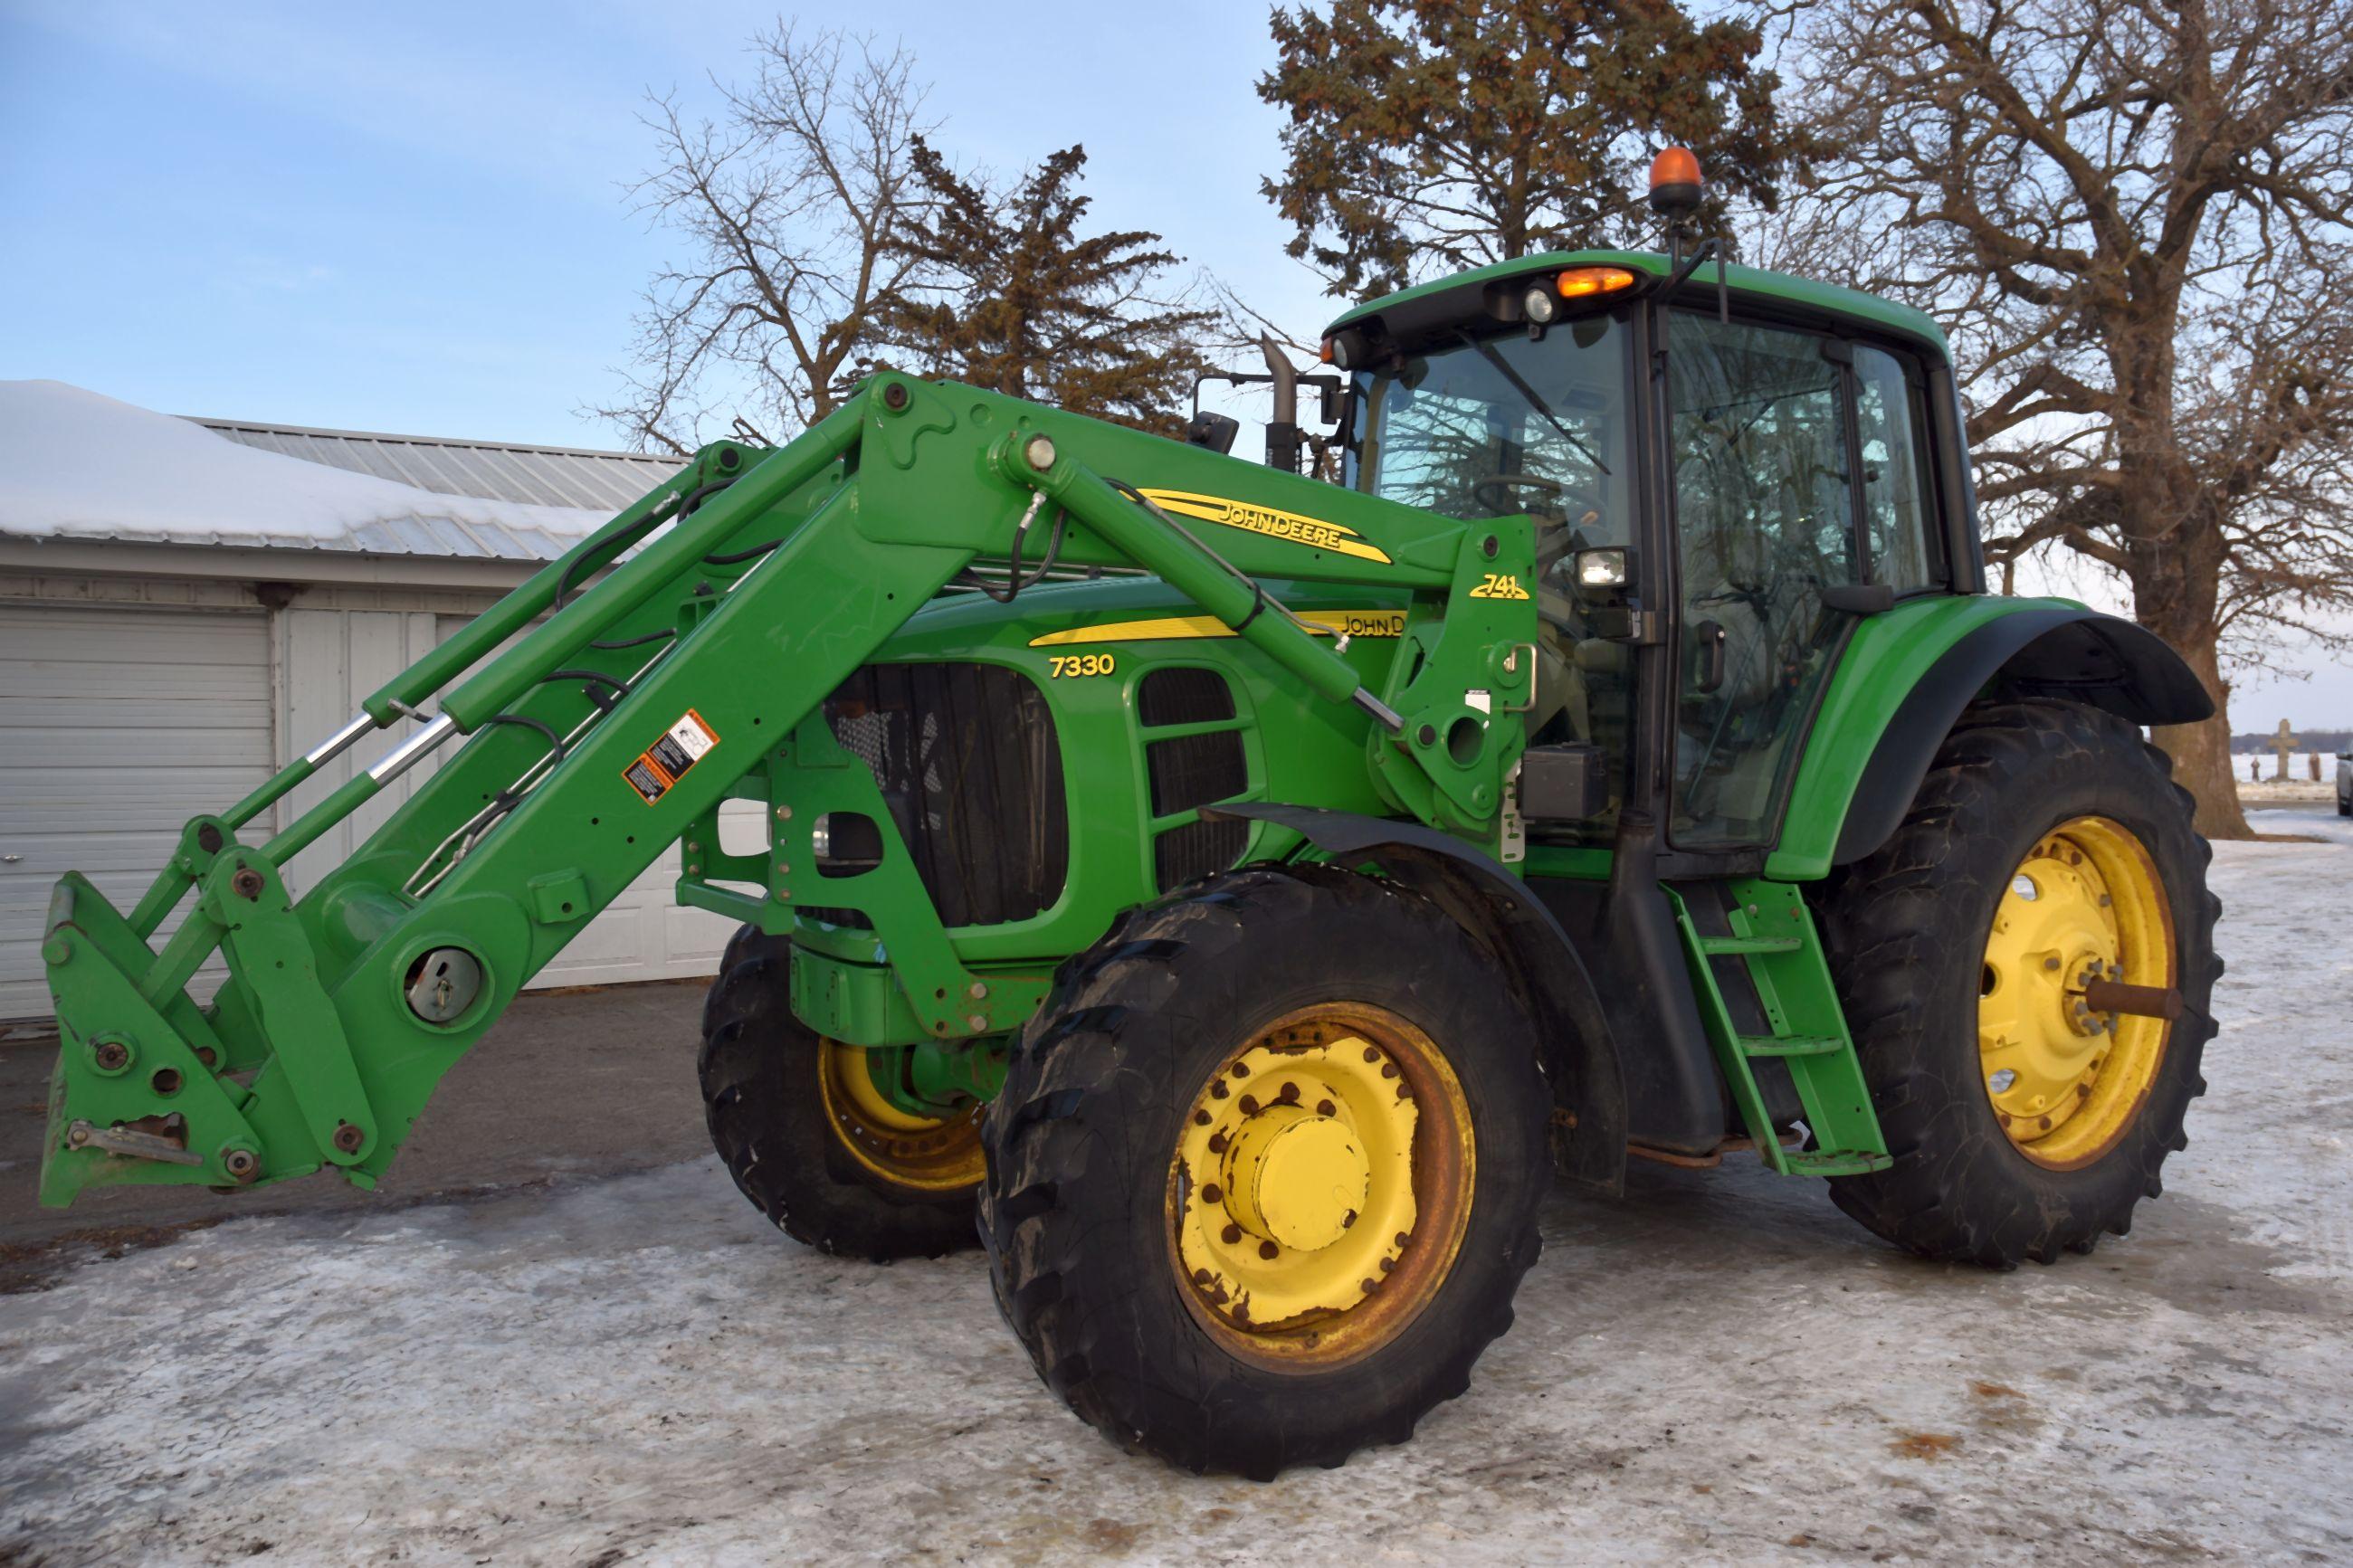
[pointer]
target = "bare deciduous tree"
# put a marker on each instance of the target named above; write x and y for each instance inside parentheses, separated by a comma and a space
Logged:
(793, 204)
(2137, 218)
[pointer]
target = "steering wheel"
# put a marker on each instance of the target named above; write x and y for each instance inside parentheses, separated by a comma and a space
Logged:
(1493, 492)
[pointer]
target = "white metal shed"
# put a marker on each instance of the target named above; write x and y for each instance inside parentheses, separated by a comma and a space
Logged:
(187, 605)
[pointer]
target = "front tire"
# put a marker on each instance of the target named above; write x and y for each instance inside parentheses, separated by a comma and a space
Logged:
(1264, 1174)
(2047, 848)
(810, 1139)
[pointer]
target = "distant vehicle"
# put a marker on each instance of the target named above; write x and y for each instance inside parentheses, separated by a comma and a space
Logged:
(2345, 783)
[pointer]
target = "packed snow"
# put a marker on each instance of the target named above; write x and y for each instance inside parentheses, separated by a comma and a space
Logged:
(75, 464)
(1719, 1368)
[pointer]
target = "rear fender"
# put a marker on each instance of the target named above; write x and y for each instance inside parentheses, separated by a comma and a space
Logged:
(1479, 894)
(1907, 676)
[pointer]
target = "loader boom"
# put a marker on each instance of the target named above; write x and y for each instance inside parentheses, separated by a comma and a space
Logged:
(624, 708)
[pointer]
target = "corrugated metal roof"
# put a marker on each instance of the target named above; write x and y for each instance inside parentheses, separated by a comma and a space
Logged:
(576, 477)
(76, 464)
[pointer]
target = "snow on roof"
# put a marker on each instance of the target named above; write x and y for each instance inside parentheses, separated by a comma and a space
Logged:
(78, 464)
(490, 470)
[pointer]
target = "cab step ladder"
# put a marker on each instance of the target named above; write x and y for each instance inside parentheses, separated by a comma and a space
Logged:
(1773, 934)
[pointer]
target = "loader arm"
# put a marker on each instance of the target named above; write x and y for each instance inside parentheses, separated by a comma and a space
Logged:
(611, 703)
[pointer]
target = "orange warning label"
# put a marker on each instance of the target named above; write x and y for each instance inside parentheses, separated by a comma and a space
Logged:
(665, 762)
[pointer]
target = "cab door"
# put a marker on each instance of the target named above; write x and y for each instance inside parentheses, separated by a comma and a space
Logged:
(1786, 486)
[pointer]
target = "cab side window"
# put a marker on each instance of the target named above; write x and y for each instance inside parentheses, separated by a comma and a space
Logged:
(1898, 508)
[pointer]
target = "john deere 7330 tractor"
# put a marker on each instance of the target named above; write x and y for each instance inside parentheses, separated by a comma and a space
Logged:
(1620, 758)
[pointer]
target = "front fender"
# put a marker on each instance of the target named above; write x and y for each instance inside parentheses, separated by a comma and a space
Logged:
(1481, 895)
(1905, 678)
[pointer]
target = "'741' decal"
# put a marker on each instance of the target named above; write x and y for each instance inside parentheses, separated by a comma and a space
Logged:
(1500, 585)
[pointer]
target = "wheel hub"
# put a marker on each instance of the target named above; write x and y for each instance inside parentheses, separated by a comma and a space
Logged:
(928, 1153)
(2085, 905)
(1295, 1178)
(1306, 1177)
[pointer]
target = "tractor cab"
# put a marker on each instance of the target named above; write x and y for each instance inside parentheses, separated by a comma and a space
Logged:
(1740, 469)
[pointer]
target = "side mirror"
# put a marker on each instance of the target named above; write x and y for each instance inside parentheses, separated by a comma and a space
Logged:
(1214, 431)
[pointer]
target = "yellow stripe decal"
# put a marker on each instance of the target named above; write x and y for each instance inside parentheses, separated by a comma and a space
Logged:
(1312, 532)
(1170, 628)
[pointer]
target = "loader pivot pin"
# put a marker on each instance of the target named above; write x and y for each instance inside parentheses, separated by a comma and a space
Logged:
(443, 984)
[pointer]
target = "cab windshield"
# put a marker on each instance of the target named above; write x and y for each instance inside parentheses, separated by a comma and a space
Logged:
(1501, 425)
(1497, 426)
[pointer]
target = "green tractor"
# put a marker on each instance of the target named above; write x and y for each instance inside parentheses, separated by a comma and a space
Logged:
(1245, 892)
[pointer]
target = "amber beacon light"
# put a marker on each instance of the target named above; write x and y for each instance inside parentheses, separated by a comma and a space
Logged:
(1674, 182)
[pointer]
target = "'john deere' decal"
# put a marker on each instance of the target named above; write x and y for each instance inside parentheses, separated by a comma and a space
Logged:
(1168, 628)
(1264, 520)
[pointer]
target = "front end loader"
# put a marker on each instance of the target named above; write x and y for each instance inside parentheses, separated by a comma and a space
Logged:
(1242, 892)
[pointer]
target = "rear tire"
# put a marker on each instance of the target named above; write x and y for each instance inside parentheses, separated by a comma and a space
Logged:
(1167, 1058)
(1908, 933)
(766, 1092)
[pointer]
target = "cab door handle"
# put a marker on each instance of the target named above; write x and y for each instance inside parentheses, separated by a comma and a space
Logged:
(1707, 641)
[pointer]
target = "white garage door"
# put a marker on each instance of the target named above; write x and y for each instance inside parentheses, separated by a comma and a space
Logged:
(116, 726)
(119, 723)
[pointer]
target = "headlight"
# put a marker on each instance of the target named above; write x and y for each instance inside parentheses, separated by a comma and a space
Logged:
(1539, 304)
(1602, 568)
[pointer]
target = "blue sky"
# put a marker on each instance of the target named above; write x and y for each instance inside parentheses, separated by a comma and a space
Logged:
(413, 218)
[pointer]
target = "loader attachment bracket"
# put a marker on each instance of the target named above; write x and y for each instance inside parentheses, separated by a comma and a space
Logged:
(146, 1102)
(246, 897)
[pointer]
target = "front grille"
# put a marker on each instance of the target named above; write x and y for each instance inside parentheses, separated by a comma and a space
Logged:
(1183, 696)
(1195, 770)
(1183, 854)
(969, 762)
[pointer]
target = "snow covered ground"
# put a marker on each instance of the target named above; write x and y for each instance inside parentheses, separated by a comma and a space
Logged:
(636, 1371)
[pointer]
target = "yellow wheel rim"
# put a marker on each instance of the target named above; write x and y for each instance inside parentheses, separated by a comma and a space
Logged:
(925, 1153)
(1322, 1185)
(2086, 904)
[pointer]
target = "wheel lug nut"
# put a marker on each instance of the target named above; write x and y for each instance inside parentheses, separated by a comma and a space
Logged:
(1249, 1104)
(1289, 1095)
(1242, 1069)
(1389, 1070)
(1213, 1193)
(1269, 1251)
(1230, 1235)
(1372, 1053)
(1326, 1108)
(1217, 1142)
(1200, 1118)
